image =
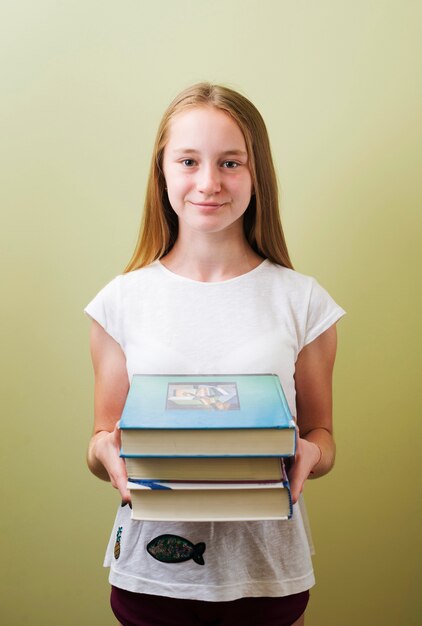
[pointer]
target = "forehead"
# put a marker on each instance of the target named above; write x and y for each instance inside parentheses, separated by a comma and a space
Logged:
(205, 125)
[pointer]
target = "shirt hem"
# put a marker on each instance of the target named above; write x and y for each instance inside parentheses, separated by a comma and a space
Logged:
(212, 593)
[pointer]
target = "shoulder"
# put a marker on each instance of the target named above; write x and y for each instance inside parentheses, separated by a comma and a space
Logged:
(119, 297)
(129, 282)
(123, 288)
(294, 282)
(312, 307)
(285, 273)
(288, 279)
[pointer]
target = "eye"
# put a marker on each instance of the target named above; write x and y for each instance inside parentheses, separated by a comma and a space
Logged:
(188, 162)
(231, 165)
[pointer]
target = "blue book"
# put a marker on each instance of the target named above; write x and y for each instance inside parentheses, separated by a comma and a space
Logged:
(209, 416)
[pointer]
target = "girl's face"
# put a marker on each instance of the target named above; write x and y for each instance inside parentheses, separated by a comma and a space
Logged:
(206, 169)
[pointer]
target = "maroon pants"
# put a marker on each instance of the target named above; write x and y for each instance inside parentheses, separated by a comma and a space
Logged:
(139, 609)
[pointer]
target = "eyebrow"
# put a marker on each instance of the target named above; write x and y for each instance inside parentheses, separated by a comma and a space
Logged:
(234, 152)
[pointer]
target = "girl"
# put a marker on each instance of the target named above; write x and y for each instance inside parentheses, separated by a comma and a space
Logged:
(210, 289)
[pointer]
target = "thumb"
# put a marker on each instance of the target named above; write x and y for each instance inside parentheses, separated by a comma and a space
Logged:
(121, 485)
(121, 479)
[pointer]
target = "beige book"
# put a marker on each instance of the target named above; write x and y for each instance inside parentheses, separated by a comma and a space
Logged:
(216, 502)
(230, 469)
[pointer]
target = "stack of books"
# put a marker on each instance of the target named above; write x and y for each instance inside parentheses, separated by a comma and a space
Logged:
(207, 448)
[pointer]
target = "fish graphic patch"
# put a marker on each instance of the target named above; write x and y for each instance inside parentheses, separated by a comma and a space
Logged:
(175, 549)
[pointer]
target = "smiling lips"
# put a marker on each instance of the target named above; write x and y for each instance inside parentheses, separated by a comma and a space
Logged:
(208, 205)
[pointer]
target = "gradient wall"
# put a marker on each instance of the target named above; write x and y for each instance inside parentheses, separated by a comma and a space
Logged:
(83, 85)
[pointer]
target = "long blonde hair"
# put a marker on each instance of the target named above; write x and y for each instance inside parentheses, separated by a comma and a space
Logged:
(262, 224)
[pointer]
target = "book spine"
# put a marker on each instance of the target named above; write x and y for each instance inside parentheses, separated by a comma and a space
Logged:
(286, 484)
(290, 501)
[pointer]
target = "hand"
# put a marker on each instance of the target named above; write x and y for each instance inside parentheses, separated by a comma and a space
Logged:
(307, 456)
(107, 450)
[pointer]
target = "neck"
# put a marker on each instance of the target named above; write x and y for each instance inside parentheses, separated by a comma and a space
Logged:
(211, 257)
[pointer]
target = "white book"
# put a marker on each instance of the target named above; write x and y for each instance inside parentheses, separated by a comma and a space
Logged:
(160, 501)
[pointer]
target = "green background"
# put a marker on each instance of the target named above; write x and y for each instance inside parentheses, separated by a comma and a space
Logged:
(83, 85)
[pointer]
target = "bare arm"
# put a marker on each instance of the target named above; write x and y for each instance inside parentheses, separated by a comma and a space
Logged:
(111, 388)
(313, 377)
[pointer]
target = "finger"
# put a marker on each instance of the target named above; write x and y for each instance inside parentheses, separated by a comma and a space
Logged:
(117, 472)
(297, 479)
(121, 485)
(295, 491)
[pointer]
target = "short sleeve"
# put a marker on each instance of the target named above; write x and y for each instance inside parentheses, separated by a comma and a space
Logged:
(105, 309)
(322, 312)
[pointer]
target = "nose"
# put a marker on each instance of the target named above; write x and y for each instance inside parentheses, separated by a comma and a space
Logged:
(209, 179)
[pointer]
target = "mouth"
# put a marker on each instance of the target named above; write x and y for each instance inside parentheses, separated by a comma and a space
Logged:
(207, 205)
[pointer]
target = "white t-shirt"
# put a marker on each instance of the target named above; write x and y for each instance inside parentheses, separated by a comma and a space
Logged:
(254, 323)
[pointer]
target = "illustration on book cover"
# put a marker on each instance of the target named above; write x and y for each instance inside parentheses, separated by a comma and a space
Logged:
(207, 396)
